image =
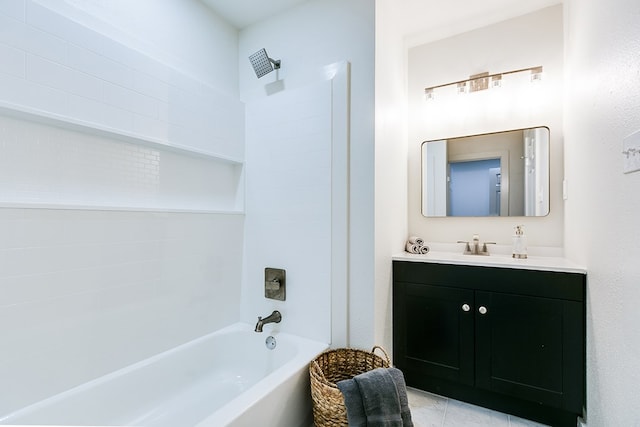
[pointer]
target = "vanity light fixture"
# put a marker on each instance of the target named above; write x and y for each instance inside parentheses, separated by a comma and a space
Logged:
(428, 94)
(496, 81)
(479, 82)
(483, 81)
(536, 74)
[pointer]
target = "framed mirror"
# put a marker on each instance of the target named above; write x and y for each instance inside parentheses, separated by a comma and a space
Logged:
(496, 174)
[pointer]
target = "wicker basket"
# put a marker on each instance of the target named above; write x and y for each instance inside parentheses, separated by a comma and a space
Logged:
(333, 366)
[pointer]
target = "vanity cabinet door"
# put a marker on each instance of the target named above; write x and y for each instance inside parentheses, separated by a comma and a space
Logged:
(526, 348)
(434, 332)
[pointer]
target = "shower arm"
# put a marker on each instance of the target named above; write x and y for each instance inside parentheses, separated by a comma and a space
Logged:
(275, 62)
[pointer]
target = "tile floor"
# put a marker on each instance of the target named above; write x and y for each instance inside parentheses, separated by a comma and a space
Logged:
(430, 410)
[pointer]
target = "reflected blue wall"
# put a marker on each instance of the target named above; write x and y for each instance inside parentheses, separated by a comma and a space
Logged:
(470, 187)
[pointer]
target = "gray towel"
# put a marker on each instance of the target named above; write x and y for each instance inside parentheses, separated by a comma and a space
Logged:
(377, 398)
(353, 401)
(401, 386)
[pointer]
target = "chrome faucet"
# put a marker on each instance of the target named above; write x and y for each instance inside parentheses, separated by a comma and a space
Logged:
(274, 317)
(473, 247)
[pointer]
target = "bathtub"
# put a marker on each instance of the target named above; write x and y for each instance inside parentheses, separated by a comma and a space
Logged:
(226, 378)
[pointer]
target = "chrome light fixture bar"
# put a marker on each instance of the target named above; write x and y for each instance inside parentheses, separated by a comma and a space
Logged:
(483, 81)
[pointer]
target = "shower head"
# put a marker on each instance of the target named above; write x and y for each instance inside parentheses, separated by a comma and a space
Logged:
(262, 64)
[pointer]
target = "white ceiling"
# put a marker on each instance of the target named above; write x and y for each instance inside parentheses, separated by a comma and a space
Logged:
(242, 13)
(420, 21)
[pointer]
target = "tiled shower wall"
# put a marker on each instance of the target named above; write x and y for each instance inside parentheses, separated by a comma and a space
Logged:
(289, 222)
(45, 165)
(88, 292)
(49, 62)
(85, 292)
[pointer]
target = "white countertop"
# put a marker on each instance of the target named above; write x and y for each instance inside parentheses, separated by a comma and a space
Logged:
(544, 263)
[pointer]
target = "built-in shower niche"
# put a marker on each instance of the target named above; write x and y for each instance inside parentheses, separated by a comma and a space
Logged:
(58, 164)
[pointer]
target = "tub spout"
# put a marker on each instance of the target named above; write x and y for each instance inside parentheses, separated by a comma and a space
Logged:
(274, 317)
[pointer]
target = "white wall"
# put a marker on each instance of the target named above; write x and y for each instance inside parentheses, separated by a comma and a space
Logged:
(530, 40)
(390, 161)
(306, 39)
(85, 292)
(601, 108)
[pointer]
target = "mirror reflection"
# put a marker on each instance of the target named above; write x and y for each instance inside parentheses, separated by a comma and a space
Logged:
(496, 174)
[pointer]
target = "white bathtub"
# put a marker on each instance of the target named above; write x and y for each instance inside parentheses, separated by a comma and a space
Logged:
(227, 378)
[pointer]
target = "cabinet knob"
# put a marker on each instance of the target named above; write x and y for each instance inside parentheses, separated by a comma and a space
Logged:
(482, 309)
(465, 307)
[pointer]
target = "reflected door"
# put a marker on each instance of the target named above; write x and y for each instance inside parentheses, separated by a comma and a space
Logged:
(472, 187)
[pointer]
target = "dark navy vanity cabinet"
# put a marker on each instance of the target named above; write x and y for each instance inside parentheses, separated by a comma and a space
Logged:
(508, 339)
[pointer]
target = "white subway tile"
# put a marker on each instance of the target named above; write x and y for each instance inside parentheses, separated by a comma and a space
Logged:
(22, 92)
(128, 99)
(99, 66)
(187, 83)
(98, 112)
(27, 231)
(180, 98)
(47, 46)
(13, 9)
(119, 52)
(151, 86)
(164, 111)
(31, 287)
(186, 136)
(173, 113)
(109, 48)
(229, 121)
(61, 77)
(21, 36)
(45, 328)
(184, 110)
(11, 88)
(81, 36)
(147, 65)
(53, 23)
(12, 61)
(39, 16)
(199, 111)
(18, 262)
(78, 316)
(143, 125)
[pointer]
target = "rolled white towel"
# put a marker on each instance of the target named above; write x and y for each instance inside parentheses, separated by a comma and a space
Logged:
(416, 249)
(412, 249)
(414, 240)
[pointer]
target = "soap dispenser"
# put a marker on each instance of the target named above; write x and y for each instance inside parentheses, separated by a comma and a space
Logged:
(519, 243)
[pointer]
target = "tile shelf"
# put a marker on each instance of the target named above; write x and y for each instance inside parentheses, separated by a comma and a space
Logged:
(52, 119)
(113, 208)
(57, 120)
